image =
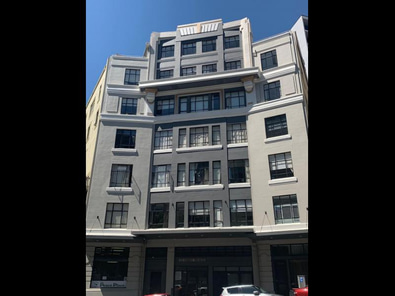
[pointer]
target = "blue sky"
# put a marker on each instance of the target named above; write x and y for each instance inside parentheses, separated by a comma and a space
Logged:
(124, 26)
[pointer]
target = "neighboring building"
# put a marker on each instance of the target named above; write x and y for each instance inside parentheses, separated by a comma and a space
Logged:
(200, 168)
(93, 110)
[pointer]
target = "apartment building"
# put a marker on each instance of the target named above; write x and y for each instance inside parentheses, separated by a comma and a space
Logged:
(199, 175)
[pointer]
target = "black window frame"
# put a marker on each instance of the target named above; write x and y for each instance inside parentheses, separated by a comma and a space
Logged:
(163, 139)
(111, 210)
(209, 68)
(286, 205)
(239, 171)
(232, 41)
(269, 60)
(180, 214)
(240, 211)
(209, 44)
(276, 126)
(235, 93)
(272, 91)
(281, 160)
(116, 171)
(158, 170)
(188, 47)
(158, 215)
(132, 77)
(199, 175)
(129, 106)
(125, 138)
(161, 102)
(232, 65)
(163, 74)
(236, 132)
(189, 104)
(197, 219)
(188, 71)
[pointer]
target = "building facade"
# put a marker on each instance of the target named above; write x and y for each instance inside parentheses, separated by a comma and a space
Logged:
(199, 176)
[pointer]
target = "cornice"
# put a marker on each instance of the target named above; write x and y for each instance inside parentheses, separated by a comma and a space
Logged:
(282, 102)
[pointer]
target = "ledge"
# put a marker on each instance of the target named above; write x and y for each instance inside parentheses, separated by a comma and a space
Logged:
(199, 188)
(237, 145)
(160, 189)
(239, 185)
(158, 151)
(124, 151)
(117, 190)
(283, 180)
(278, 138)
(200, 148)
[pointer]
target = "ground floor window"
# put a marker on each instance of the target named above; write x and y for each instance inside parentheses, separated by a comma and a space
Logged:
(110, 267)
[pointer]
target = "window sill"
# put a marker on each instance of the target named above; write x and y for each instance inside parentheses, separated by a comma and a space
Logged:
(283, 180)
(239, 185)
(124, 151)
(118, 190)
(278, 138)
(157, 151)
(160, 189)
(238, 145)
(199, 188)
(200, 148)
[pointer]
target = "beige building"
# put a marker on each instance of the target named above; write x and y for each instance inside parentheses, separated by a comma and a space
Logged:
(200, 165)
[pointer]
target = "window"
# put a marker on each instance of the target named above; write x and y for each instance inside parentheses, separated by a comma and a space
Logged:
(132, 76)
(165, 51)
(198, 173)
(161, 176)
(285, 209)
(125, 138)
(269, 60)
(182, 138)
(232, 41)
(235, 98)
(239, 171)
(216, 134)
(199, 214)
(271, 91)
(163, 139)
(241, 212)
(216, 172)
(281, 165)
(188, 48)
(236, 133)
(199, 103)
(109, 264)
(232, 65)
(161, 74)
(209, 44)
(209, 68)
(276, 126)
(121, 175)
(116, 215)
(198, 137)
(218, 215)
(129, 106)
(159, 215)
(188, 71)
(164, 106)
(180, 214)
(181, 175)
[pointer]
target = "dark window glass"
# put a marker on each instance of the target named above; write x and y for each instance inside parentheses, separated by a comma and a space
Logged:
(109, 264)
(276, 126)
(164, 106)
(209, 68)
(164, 74)
(166, 51)
(231, 41)
(121, 175)
(269, 60)
(116, 215)
(241, 212)
(125, 138)
(199, 214)
(188, 48)
(272, 91)
(199, 103)
(199, 173)
(235, 98)
(187, 71)
(129, 106)
(232, 65)
(209, 44)
(180, 214)
(285, 209)
(132, 76)
(281, 165)
(239, 171)
(159, 215)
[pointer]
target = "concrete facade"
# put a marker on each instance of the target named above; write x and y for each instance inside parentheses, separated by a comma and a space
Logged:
(204, 206)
